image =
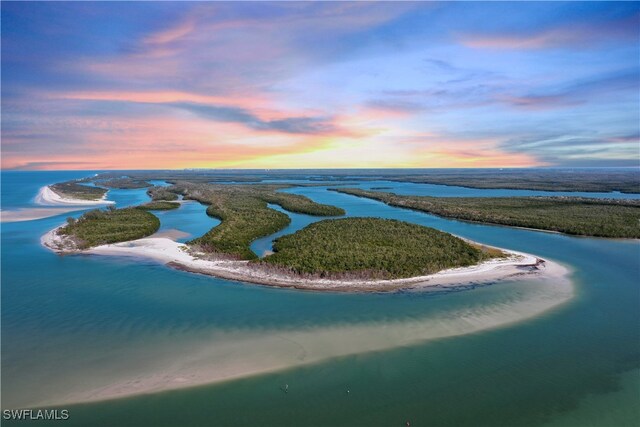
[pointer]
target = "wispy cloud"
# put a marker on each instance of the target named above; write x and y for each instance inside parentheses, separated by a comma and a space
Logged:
(318, 84)
(580, 92)
(583, 35)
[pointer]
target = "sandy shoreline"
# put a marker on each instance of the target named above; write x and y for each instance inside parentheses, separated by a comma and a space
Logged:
(47, 196)
(181, 257)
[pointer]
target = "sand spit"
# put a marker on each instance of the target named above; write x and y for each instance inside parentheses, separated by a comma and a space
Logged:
(47, 196)
(60, 205)
(56, 205)
(30, 214)
(180, 256)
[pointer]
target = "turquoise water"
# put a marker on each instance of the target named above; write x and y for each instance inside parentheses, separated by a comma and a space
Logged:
(190, 218)
(264, 245)
(77, 320)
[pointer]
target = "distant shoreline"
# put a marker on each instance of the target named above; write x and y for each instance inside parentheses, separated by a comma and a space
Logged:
(181, 257)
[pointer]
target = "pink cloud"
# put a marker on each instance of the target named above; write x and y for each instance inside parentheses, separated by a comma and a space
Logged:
(577, 35)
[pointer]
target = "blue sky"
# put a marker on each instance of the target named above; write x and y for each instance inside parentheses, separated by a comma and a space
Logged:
(336, 84)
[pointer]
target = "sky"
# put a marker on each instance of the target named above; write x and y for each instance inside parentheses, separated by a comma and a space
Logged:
(164, 85)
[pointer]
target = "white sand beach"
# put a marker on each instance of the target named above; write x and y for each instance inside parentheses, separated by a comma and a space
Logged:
(178, 255)
(47, 196)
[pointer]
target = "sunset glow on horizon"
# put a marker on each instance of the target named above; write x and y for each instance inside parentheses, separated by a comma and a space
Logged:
(163, 85)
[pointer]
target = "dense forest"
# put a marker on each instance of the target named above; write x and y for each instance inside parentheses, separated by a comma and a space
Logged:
(73, 190)
(592, 180)
(159, 205)
(300, 204)
(161, 193)
(99, 227)
(372, 248)
(244, 214)
(571, 215)
(124, 183)
(550, 179)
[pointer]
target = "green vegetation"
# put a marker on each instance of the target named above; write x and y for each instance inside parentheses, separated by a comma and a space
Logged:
(124, 183)
(161, 193)
(571, 215)
(244, 219)
(591, 180)
(566, 179)
(300, 204)
(160, 205)
(99, 227)
(72, 189)
(244, 214)
(371, 248)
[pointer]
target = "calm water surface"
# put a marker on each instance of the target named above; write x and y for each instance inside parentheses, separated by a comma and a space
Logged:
(71, 320)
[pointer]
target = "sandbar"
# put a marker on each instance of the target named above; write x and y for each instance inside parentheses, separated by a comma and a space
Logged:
(221, 356)
(56, 205)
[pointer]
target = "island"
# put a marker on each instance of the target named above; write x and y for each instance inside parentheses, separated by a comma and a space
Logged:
(74, 190)
(373, 248)
(101, 227)
(159, 205)
(72, 193)
(569, 215)
(336, 254)
(124, 183)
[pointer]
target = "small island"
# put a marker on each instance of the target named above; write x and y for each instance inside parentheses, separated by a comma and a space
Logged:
(74, 190)
(124, 183)
(102, 227)
(159, 205)
(72, 193)
(373, 248)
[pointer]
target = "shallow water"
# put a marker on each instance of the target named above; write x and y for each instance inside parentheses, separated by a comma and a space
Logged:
(264, 245)
(86, 320)
(190, 218)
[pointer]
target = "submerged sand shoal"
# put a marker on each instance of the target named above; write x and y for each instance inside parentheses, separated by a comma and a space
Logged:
(182, 257)
(225, 355)
(30, 214)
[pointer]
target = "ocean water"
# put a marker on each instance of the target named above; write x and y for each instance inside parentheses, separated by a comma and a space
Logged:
(75, 325)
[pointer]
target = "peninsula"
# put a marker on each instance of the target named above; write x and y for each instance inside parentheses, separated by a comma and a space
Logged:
(570, 215)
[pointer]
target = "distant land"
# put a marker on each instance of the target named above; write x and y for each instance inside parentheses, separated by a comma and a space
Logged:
(624, 180)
